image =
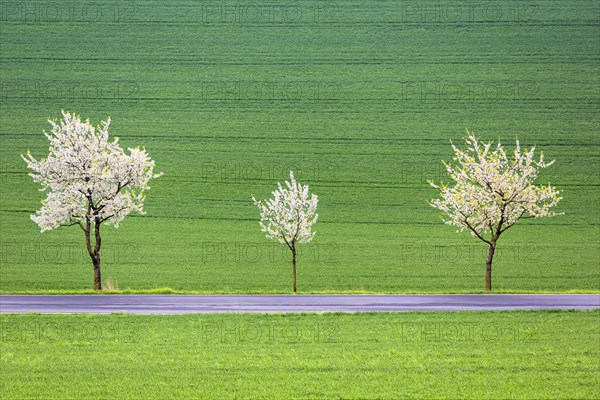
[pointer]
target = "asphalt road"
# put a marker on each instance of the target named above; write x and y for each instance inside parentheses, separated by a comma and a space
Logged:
(180, 304)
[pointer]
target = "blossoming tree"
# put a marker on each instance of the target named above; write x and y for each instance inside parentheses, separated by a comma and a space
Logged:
(90, 181)
(491, 192)
(289, 216)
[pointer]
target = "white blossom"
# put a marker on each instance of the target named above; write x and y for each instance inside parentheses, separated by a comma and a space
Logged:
(89, 179)
(290, 214)
(491, 191)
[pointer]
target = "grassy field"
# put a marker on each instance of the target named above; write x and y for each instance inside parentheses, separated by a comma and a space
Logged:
(475, 355)
(359, 98)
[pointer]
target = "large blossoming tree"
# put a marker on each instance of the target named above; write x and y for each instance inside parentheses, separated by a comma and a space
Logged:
(90, 181)
(492, 192)
(288, 217)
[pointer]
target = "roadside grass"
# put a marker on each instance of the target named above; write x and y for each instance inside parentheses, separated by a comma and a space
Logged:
(470, 355)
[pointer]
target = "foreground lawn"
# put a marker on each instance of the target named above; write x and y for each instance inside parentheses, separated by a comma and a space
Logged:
(478, 355)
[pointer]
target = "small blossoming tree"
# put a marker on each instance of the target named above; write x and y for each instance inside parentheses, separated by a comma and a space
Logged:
(90, 181)
(491, 192)
(289, 216)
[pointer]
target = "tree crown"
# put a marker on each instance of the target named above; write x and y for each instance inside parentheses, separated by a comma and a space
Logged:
(491, 191)
(289, 215)
(89, 178)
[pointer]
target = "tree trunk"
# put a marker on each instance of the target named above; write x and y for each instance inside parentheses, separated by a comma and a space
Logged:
(294, 268)
(94, 252)
(97, 275)
(488, 267)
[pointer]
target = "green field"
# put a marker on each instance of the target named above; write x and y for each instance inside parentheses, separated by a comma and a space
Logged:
(359, 98)
(476, 355)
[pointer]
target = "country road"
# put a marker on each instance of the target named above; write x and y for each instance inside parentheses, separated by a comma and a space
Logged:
(181, 304)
